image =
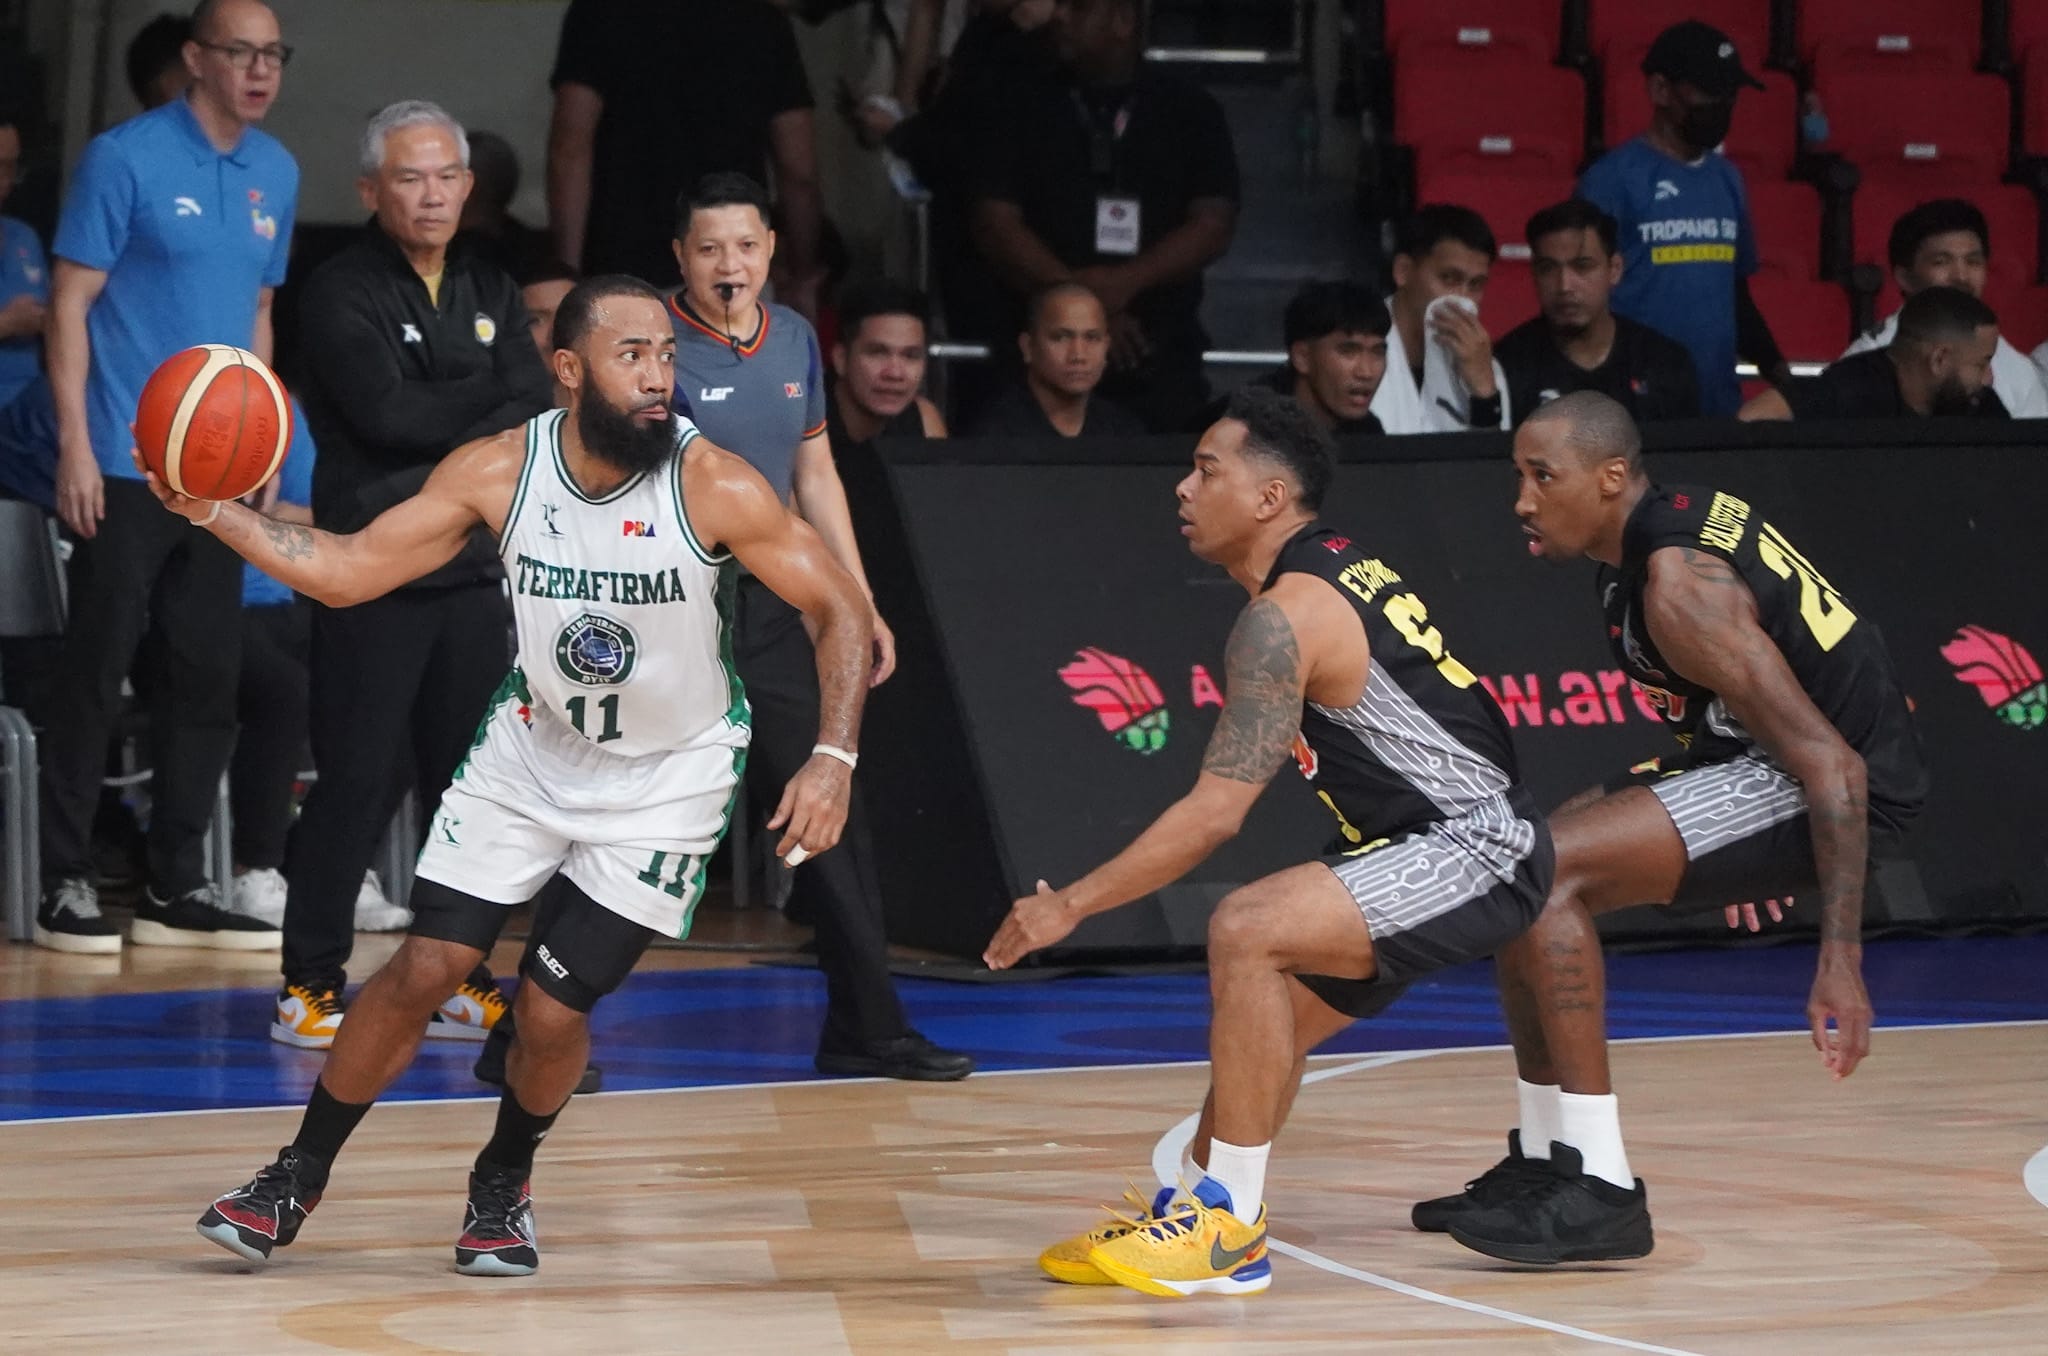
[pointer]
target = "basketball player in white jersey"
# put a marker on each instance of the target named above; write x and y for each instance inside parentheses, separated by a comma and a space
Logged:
(611, 754)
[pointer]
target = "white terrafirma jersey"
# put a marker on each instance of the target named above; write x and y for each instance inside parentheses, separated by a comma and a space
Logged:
(622, 613)
(614, 748)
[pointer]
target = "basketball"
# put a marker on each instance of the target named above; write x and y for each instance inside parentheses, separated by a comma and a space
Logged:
(213, 422)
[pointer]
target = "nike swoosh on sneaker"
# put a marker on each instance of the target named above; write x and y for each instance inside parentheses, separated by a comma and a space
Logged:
(1223, 1259)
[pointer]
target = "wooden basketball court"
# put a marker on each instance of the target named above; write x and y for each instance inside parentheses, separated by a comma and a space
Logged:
(1885, 1214)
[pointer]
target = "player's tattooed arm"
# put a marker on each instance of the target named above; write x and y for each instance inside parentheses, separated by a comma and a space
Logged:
(1262, 707)
(1703, 620)
(291, 541)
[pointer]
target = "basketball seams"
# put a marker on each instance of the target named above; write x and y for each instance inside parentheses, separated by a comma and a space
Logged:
(201, 389)
(194, 394)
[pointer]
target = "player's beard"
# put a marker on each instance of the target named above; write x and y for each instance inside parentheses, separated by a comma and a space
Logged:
(622, 439)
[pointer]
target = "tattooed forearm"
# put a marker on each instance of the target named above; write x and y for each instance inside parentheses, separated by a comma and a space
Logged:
(1262, 705)
(290, 540)
(1840, 822)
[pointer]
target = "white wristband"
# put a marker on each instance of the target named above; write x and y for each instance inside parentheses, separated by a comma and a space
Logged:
(834, 751)
(213, 513)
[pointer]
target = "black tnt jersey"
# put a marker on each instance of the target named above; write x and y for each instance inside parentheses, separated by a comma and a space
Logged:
(1426, 742)
(1837, 655)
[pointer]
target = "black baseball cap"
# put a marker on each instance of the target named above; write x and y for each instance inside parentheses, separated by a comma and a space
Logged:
(1700, 55)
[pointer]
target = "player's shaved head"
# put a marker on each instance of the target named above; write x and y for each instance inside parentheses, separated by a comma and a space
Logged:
(579, 312)
(1595, 427)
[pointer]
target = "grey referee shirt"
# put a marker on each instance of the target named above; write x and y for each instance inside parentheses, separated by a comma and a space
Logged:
(759, 398)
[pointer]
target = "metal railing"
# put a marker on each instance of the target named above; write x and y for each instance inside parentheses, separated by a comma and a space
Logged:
(945, 351)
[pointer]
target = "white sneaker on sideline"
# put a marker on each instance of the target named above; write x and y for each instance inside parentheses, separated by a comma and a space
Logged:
(259, 894)
(374, 913)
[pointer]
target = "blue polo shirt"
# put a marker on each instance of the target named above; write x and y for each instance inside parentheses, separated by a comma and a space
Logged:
(1685, 239)
(187, 237)
(294, 486)
(23, 272)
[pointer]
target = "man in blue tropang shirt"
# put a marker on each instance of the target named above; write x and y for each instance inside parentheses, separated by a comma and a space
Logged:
(750, 374)
(175, 232)
(1687, 245)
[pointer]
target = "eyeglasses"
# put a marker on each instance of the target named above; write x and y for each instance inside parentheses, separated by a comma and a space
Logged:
(243, 57)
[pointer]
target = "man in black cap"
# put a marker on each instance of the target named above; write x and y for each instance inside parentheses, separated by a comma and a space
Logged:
(1687, 245)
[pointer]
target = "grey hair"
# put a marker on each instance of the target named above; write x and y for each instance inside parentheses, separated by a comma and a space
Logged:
(399, 116)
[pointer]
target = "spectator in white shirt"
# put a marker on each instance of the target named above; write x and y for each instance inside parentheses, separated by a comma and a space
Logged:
(1441, 376)
(1946, 243)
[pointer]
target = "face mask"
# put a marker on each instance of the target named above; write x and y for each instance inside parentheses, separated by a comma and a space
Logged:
(1705, 126)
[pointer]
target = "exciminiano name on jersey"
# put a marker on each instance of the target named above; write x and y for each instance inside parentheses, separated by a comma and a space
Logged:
(541, 580)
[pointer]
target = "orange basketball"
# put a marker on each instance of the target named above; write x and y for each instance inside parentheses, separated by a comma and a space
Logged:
(213, 423)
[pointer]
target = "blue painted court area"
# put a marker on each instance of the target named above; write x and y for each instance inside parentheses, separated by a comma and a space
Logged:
(195, 1050)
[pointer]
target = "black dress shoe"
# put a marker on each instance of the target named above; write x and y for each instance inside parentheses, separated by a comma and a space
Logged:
(909, 1056)
(490, 1061)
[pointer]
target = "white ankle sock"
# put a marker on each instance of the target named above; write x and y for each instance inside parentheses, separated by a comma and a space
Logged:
(1541, 1119)
(1592, 1125)
(1191, 1172)
(1241, 1171)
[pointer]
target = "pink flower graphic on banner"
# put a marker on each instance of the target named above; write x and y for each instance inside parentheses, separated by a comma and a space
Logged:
(2004, 674)
(1122, 696)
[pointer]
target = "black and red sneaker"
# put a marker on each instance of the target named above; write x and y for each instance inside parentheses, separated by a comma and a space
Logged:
(251, 1220)
(497, 1229)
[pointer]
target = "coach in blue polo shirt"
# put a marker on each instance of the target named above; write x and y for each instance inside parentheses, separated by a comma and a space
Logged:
(1687, 245)
(174, 233)
(750, 375)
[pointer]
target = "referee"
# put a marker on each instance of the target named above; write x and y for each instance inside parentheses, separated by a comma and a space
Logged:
(749, 373)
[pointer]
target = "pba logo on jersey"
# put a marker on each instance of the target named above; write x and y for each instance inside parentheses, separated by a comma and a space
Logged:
(1122, 696)
(596, 651)
(633, 527)
(2004, 674)
(1305, 757)
(793, 389)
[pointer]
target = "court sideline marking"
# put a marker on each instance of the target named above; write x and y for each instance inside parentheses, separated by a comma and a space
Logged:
(1172, 1146)
(2035, 1175)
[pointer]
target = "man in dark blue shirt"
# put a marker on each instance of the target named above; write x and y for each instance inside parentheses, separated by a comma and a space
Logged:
(750, 374)
(1688, 248)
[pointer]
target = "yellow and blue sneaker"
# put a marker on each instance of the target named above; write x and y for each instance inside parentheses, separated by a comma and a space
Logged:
(1194, 1246)
(1067, 1261)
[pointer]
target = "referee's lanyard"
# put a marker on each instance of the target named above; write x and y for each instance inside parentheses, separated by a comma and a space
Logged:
(1118, 226)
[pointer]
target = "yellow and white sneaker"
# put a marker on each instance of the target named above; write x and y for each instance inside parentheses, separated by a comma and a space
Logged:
(1195, 1246)
(471, 1011)
(307, 1016)
(1067, 1261)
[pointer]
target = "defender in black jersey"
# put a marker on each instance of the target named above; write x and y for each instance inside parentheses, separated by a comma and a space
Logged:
(1440, 856)
(1799, 764)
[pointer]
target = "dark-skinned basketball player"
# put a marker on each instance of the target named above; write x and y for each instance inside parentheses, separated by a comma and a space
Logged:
(1442, 856)
(611, 755)
(1800, 764)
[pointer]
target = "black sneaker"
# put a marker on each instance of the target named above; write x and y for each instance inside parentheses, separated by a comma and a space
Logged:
(490, 1061)
(497, 1230)
(1574, 1217)
(69, 919)
(1500, 1183)
(251, 1220)
(909, 1056)
(196, 918)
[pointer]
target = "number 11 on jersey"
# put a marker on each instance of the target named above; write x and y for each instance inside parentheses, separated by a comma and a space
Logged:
(608, 707)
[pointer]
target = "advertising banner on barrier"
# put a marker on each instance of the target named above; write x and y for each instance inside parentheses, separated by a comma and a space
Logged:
(1082, 646)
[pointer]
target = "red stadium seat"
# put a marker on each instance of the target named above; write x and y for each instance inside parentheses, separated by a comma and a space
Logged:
(1810, 320)
(1486, 111)
(1507, 202)
(1913, 128)
(1530, 26)
(2028, 26)
(2033, 69)
(1764, 140)
(1889, 35)
(1787, 221)
(1746, 22)
(2009, 212)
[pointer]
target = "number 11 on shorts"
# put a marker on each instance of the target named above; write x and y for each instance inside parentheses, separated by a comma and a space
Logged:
(608, 707)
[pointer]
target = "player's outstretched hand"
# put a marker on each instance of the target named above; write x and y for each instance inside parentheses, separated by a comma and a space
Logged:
(193, 510)
(1838, 995)
(1035, 922)
(1744, 915)
(814, 809)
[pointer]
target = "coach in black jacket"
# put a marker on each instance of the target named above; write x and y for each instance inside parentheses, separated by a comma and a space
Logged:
(411, 350)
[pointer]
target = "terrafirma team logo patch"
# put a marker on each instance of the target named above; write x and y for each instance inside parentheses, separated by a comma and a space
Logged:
(594, 650)
(2004, 674)
(1122, 696)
